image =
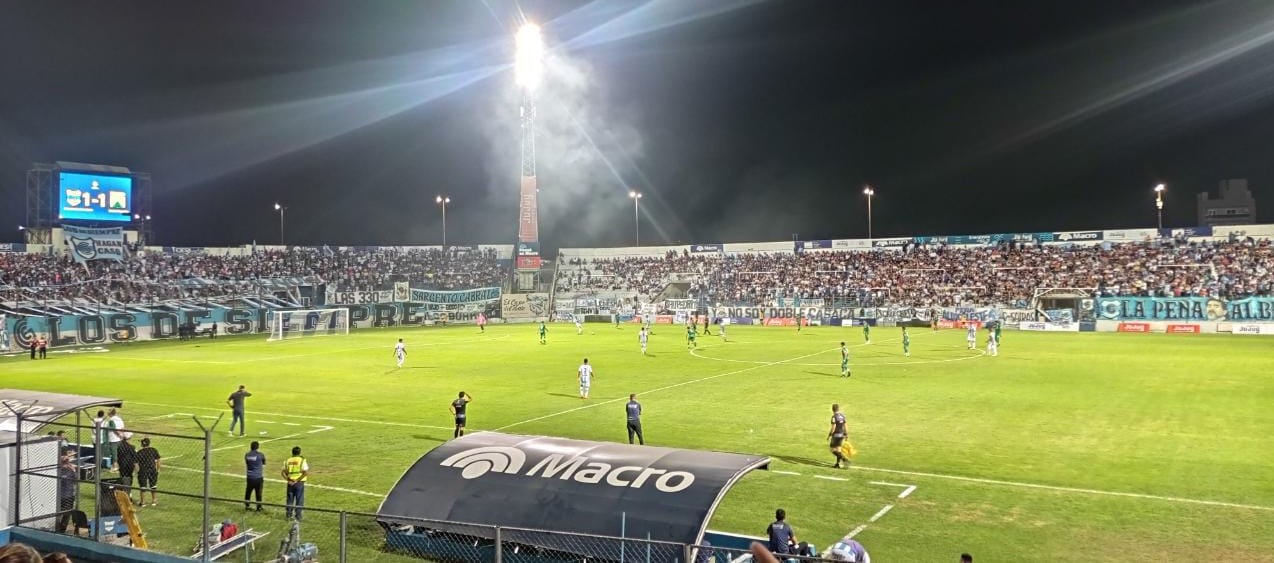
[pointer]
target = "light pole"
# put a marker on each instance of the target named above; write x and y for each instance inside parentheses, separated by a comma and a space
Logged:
(636, 197)
(869, 192)
(443, 201)
(144, 220)
(280, 209)
(1159, 203)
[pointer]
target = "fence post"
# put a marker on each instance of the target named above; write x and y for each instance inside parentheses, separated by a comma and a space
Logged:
(344, 543)
(98, 467)
(17, 476)
(686, 556)
(207, 489)
(499, 546)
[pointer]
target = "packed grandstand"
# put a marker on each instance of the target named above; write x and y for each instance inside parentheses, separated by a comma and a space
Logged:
(910, 275)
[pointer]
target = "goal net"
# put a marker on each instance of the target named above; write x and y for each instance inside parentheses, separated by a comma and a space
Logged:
(306, 323)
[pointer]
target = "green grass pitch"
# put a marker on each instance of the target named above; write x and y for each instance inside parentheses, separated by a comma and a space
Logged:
(1101, 447)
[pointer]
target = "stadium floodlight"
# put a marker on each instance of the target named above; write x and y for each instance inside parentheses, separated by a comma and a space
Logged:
(1159, 202)
(869, 192)
(280, 209)
(636, 197)
(529, 65)
(22, 227)
(443, 201)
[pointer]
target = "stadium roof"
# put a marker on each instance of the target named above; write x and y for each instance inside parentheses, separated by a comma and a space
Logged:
(525, 483)
(42, 408)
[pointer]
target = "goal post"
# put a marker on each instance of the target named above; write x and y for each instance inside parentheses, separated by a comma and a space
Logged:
(306, 323)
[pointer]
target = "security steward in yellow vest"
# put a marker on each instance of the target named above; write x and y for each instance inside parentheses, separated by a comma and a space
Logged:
(296, 470)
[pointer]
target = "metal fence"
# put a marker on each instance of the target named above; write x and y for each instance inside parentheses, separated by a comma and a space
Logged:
(69, 472)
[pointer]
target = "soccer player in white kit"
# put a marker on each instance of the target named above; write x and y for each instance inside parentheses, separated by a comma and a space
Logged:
(642, 338)
(721, 324)
(585, 378)
(972, 336)
(579, 327)
(400, 352)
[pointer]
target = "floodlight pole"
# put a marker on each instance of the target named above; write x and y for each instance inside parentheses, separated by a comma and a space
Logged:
(636, 197)
(280, 209)
(443, 201)
(1159, 189)
(869, 192)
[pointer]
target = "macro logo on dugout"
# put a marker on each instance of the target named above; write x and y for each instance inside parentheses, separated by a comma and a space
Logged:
(478, 462)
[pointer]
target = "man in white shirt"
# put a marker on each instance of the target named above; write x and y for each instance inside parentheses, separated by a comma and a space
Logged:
(400, 352)
(585, 378)
(114, 434)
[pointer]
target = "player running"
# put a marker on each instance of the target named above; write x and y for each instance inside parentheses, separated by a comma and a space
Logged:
(836, 436)
(458, 407)
(579, 327)
(585, 379)
(544, 333)
(690, 336)
(971, 335)
(721, 324)
(906, 343)
(866, 332)
(998, 325)
(642, 338)
(844, 360)
(400, 352)
(992, 346)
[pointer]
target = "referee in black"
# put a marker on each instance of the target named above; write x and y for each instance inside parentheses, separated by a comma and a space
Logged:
(634, 419)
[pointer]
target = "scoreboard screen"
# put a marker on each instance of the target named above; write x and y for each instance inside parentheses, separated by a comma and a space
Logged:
(94, 197)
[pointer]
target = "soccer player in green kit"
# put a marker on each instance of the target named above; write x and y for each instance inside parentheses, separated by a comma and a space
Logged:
(906, 343)
(544, 333)
(998, 324)
(690, 336)
(866, 332)
(844, 360)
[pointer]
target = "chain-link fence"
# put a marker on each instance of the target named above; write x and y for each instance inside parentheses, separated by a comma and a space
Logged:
(80, 473)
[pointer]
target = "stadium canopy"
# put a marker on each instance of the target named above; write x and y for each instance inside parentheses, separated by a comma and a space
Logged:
(561, 486)
(39, 408)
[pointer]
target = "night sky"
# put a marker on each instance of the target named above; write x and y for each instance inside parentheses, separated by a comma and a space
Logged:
(738, 120)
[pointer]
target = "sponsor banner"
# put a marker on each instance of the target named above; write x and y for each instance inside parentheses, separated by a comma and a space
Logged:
(1059, 315)
(12, 247)
(1161, 308)
(90, 243)
(524, 306)
(681, 304)
(529, 248)
(528, 211)
(699, 248)
(1134, 327)
(585, 490)
(1050, 326)
(528, 262)
(1129, 235)
(1249, 328)
(359, 297)
(1014, 316)
(802, 245)
(1078, 236)
(184, 250)
(1183, 329)
(890, 242)
(847, 244)
(1189, 232)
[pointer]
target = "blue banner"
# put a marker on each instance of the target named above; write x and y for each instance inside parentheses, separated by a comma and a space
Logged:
(1251, 309)
(1188, 232)
(88, 243)
(1161, 308)
(12, 247)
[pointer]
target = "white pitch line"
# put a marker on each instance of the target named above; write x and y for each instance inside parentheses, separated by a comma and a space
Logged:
(321, 429)
(290, 423)
(307, 417)
(881, 513)
(785, 472)
(830, 478)
(857, 531)
(664, 388)
(907, 492)
(137, 359)
(307, 485)
(1067, 489)
(240, 446)
(266, 422)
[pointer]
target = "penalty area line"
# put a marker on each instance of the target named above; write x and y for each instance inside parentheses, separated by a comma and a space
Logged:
(307, 485)
(664, 388)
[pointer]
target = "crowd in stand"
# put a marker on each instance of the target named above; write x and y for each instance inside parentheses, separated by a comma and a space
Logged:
(156, 277)
(942, 275)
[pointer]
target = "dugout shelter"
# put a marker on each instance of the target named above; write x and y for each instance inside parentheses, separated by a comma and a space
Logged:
(557, 499)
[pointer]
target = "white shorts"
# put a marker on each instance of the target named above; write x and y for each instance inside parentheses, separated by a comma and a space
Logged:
(583, 389)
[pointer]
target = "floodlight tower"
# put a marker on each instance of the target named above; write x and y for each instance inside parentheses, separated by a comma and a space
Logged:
(528, 73)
